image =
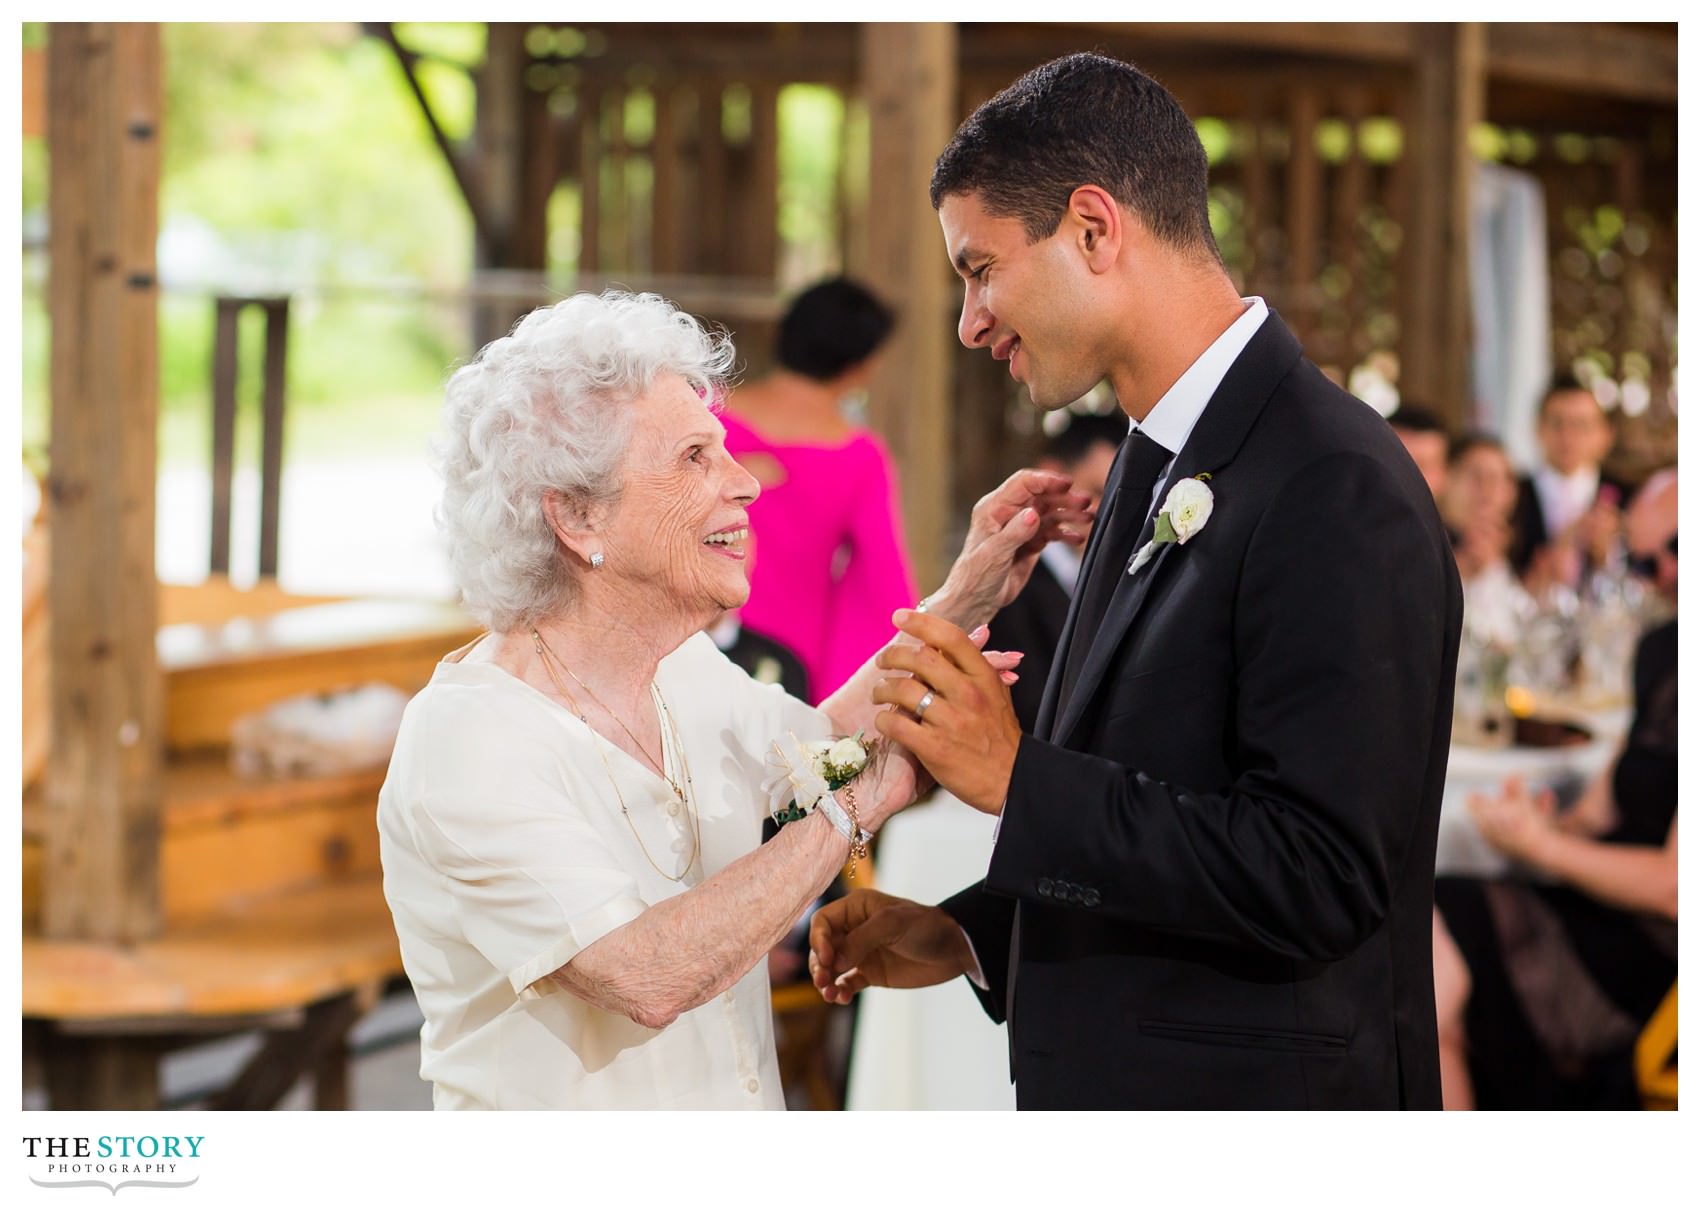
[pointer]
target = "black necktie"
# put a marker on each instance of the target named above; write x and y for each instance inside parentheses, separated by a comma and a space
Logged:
(1126, 502)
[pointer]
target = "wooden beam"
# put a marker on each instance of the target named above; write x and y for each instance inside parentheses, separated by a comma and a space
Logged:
(470, 189)
(1591, 58)
(1449, 98)
(909, 78)
(1375, 41)
(101, 877)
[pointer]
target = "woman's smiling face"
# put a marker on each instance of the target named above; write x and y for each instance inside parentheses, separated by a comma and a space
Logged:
(679, 532)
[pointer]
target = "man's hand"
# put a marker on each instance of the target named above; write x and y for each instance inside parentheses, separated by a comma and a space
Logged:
(1008, 529)
(957, 717)
(871, 938)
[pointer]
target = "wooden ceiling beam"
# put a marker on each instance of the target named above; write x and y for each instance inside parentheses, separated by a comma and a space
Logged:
(1377, 41)
(1608, 60)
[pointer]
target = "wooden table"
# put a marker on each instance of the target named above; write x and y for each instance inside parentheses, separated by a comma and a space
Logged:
(271, 889)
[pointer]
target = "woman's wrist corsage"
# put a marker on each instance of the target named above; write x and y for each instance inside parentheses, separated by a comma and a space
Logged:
(804, 774)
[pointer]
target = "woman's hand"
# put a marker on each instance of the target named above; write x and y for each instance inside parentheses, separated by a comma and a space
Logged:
(1516, 822)
(1008, 529)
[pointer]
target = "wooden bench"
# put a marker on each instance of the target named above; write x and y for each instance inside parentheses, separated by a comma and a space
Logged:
(271, 890)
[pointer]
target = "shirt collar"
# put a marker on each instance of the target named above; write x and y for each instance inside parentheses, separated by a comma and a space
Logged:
(1170, 421)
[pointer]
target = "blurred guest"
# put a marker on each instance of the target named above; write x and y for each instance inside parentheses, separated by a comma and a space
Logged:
(1480, 496)
(1567, 509)
(1542, 984)
(1425, 437)
(1033, 623)
(832, 566)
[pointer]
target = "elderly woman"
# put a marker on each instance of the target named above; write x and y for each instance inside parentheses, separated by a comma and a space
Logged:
(570, 827)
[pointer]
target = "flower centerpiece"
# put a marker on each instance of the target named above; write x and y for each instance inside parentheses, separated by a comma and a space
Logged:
(803, 772)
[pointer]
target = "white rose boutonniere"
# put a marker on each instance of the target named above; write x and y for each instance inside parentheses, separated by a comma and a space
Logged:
(1185, 511)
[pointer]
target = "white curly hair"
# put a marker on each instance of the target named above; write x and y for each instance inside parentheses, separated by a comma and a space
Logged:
(547, 408)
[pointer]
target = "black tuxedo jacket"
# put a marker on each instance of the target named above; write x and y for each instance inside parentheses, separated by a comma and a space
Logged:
(1529, 529)
(1032, 625)
(1214, 875)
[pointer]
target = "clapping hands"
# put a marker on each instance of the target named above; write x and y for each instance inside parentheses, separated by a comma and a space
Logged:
(1515, 822)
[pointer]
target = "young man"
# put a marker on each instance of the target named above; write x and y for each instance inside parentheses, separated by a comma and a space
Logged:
(1568, 509)
(1426, 441)
(1213, 874)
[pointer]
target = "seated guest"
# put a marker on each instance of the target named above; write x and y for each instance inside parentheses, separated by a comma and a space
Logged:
(1481, 493)
(1567, 509)
(1540, 984)
(1033, 623)
(1425, 437)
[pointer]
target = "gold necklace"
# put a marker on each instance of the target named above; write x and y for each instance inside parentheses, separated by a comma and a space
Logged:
(660, 766)
(686, 795)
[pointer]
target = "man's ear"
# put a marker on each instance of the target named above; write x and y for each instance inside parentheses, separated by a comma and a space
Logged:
(576, 524)
(1098, 226)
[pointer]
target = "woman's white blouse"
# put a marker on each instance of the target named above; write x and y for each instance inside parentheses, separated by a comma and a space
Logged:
(505, 854)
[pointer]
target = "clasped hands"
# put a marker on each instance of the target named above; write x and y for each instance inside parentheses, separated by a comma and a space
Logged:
(946, 702)
(948, 705)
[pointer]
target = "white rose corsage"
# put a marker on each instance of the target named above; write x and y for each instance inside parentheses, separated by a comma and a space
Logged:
(1185, 511)
(802, 773)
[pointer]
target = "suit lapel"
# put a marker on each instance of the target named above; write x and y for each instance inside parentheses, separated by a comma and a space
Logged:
(1221, 430)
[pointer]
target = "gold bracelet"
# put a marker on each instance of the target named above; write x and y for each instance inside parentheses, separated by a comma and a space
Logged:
(858, 842)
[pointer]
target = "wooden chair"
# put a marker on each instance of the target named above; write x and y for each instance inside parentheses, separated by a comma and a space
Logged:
(1655, 1057)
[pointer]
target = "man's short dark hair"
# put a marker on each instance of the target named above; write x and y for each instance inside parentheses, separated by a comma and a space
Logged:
(1474, 439)
(1415, 418)
(832, 326)
(1085, 430)
(1563, 383)
(1083, 119)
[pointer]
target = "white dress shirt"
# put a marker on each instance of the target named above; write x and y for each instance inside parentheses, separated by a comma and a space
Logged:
(505, 854)
(1172, 419)
(1063, 559)
(1565, 498)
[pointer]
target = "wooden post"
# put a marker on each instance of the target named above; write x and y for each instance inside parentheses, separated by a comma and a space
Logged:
(1450, 98)
(1303, 213)
(499, 164)
(101, 876)
(908, 75)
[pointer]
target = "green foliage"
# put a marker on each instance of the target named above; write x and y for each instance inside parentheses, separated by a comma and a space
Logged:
(285, 128)
(811, 144)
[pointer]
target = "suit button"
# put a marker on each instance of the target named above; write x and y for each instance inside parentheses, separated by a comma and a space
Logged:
(1091, 899)
(1044, 887)
(1076, 894)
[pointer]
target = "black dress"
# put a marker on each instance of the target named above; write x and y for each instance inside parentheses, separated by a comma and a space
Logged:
(1562, 984)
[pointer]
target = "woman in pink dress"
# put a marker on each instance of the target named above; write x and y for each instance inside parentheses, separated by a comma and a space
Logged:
(829, 565)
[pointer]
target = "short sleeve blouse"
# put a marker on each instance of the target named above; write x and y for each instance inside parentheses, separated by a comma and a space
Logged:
(506, 852)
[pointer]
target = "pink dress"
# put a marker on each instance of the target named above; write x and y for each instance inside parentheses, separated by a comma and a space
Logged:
(828, 563)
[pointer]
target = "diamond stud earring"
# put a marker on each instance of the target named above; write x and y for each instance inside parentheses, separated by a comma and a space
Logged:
(596, 559)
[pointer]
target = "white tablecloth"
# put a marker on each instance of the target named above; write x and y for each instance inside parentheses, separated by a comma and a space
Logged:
(930, 1049)
(1460, 849)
